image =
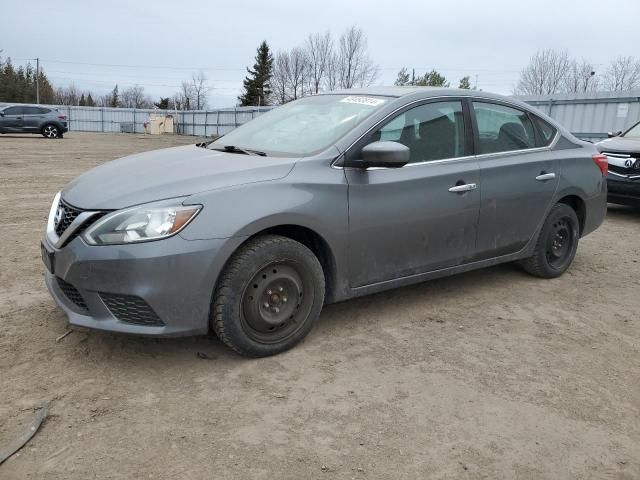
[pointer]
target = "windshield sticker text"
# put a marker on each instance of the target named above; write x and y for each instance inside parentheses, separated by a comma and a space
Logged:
(372, 102)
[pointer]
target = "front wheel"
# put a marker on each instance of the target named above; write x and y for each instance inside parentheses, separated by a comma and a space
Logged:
(557, 244)
(268, 297)
(51, 131)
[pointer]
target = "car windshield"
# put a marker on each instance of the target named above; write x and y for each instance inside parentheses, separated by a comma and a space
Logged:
(634, 132)
(302, 127)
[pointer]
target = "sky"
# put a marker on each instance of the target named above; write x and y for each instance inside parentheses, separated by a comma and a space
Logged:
(157, 44)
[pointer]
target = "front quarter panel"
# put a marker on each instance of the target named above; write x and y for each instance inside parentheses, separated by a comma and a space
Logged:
(313, 195)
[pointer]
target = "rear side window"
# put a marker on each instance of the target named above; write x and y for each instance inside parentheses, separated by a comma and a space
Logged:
(34, 110)
(545, 132)
(502, 128)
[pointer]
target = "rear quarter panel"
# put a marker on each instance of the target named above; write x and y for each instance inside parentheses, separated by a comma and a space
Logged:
(582, 177)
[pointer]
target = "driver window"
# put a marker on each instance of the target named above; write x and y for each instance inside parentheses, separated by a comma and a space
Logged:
(433, 131)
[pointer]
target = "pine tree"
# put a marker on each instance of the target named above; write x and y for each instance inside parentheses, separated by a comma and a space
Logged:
(163, 104)
(82, 102)
(257, 84)
(90, 101)
(115, 97)
(465, 83)
(403, 78)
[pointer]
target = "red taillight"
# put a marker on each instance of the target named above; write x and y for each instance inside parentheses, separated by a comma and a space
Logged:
(62, 117)
(602, 163)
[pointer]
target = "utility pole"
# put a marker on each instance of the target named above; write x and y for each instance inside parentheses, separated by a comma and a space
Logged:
(38, 81)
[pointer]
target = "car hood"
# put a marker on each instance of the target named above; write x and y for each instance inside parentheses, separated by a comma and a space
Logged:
(168, 173)
(619, 144)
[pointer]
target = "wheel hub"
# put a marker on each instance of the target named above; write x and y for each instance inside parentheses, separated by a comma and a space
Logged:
(560, 242)
(272, 302)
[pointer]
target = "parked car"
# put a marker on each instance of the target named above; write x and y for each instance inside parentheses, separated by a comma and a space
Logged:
(33, 119)
(323, 199)
(623, 153)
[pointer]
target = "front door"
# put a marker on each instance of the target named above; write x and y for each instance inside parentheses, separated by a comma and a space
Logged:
(519, 176)
(420, 217)
(11, 121)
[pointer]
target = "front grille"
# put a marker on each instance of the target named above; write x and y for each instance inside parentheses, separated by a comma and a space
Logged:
(633, 169)
(68, 214)
(624, 170)
(131, 309)
(72, 293)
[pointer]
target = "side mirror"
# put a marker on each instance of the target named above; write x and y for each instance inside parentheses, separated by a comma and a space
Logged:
(385, 154)
(614, 134)
(1, 114)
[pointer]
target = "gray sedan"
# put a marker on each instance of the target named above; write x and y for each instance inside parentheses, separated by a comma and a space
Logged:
(323, 199)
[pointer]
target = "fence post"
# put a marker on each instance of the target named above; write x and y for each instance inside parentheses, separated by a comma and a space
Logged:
(102, 120)
(217, 123)
(69, 116)
(206, 116)
(235, 117)
(549, 106)
(134, 121)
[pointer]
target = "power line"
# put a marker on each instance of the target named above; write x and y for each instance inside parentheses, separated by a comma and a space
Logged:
(167, 67)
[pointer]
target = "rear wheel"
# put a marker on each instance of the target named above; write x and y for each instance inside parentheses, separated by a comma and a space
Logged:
(268, 297)
(557, 244)
(51, 131)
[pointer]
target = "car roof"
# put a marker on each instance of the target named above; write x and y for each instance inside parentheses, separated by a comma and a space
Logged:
(417, 93)
(395, 91)
(2, 107)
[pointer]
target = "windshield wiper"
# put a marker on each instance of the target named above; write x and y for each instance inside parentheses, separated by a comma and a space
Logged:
(246, 151)
(205, 144)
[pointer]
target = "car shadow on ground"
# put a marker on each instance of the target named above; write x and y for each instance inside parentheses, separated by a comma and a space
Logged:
(623, 212)
(35, 136)
(336, 319)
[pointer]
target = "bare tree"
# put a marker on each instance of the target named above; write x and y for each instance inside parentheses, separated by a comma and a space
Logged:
(199, 88)
(280, 79)
(332, 72)
(623, 74)
(545, 73)
(580, 77)
(318, 49)
(355, 66)
(184, 97)
(133, 97)
(67, 96)
(297, 65)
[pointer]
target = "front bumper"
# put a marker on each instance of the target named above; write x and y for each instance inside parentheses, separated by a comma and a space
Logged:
(173, 277)
(623, 190)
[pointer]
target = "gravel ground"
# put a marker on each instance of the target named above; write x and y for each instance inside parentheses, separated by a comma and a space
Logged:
(491, 374)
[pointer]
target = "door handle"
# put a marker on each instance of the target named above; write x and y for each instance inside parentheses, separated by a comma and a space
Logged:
(18, 118)
(466, 187)
(543, 177)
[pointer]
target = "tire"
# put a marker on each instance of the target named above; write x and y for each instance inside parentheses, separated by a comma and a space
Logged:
(556, 245)
(51, 131)
(268, 296)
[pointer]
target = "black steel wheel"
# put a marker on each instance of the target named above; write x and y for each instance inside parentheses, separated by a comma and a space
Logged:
(556, 245)
(268, 297)
(50, 131)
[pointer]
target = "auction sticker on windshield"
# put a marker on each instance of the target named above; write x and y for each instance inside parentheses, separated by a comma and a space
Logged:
(372, 102)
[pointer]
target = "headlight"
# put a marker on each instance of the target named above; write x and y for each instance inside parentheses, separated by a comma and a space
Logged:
(140, 224)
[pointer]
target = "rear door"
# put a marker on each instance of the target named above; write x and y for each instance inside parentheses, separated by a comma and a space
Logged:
(33, 118)
(519, 175)
(11, 121)
(423, 216)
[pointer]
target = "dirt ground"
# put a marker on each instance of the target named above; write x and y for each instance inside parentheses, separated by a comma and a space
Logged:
(491, 374)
